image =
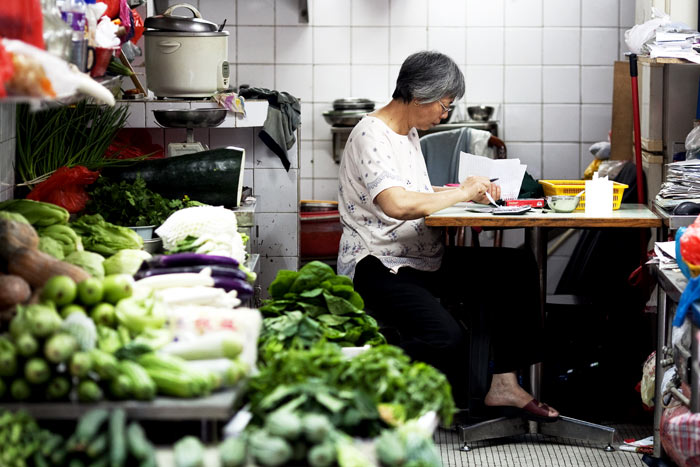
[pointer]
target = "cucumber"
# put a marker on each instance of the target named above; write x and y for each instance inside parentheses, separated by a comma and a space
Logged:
(98, 446)
(212, 177)
(117, 441)
(139, 446)
(90, 424)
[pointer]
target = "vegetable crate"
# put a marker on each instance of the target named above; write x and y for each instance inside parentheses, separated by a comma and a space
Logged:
(574, 187)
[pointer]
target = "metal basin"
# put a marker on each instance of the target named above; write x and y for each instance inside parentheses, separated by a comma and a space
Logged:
(194, 118)
(480, 113)
(344, 117)
(563, 203)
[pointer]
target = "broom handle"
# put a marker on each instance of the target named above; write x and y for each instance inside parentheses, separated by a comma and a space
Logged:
(637, 130)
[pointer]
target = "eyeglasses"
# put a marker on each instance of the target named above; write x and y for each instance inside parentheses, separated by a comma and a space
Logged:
(444, 108)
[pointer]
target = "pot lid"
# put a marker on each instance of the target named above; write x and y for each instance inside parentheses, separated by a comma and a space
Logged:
(169, 22)
(353, 103)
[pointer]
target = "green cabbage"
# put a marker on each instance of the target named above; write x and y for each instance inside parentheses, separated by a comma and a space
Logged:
(51, 247)
(102, 237)
(125, 262)
(90, 262)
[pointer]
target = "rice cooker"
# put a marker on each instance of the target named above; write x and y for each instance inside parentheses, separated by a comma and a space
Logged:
(185, 56)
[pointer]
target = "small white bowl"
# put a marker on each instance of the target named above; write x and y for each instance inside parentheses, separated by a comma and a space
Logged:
(145, 231)
(563, 203)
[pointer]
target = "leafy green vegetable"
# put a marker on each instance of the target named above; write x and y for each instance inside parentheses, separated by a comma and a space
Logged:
(132, 204)
(89, 261)
(125, 262)
(385, 372)
(105, 238)
(315, 303)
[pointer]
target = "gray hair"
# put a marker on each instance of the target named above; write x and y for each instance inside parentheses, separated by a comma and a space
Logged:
(428, 76)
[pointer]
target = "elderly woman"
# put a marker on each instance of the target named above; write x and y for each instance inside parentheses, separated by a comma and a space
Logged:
(399, 265)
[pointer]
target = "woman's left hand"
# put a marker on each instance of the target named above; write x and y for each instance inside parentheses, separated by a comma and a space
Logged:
(494, 191)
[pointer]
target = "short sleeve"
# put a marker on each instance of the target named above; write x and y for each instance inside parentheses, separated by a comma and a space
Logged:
(376, 162)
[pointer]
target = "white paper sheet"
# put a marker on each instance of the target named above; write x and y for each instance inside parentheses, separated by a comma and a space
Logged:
(510, 172)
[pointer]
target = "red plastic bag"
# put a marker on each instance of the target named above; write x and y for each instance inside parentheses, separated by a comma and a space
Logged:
(66, 188)
(690, 243)
(138, 26)
(7, 69)
(23, 20)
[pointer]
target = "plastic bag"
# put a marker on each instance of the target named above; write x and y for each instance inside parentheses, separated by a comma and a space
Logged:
(640, 34)
(66, 188)
(648, 380)
(22, 20)
(692, 144)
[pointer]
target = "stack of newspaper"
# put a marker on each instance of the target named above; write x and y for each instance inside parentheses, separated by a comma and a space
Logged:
(682, 184)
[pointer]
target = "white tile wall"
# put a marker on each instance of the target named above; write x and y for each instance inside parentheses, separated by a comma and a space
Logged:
(523, 46)
(370, 45)
(450, 41)
(523, 122)
(331, 45)
(408, 13)
(523, 84)
(561, 122)
(259, 12)
(595, 122)
(523, 12)
(485, 46)
(599, 46)
(562, 12)
(7, 150)
(293, 45)
(561, 46)
(405, 41)
(561, 85)
(370, 12)
(481, 13)
(600, 13)
(560, 161)
(596, 84)
(446, 12)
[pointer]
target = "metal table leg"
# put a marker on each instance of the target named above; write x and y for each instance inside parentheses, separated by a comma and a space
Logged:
(661, 310)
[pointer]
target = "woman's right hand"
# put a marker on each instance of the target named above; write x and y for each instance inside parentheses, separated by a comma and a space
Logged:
(475, 187)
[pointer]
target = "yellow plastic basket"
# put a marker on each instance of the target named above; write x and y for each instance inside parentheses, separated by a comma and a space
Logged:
(574, 187)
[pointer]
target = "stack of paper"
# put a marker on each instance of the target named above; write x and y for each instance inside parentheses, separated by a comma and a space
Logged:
(510, 172)
(666, 255)
(682, 184)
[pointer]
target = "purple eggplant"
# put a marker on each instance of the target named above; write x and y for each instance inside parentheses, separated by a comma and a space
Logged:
(243, 288)
(187, 259)
(216, 271)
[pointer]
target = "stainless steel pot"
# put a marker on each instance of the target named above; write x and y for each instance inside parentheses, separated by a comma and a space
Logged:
(195, 118)
(185, 57)
(344, 117)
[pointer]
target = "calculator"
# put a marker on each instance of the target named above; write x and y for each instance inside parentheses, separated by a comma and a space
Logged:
(499, 210)
(511, 209)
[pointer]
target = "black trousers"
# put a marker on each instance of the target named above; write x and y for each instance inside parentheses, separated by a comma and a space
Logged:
(500, 283)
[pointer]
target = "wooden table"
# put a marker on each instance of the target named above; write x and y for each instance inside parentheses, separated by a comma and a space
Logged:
(536, 223)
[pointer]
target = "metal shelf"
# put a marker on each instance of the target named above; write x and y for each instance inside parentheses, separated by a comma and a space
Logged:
(218, 406)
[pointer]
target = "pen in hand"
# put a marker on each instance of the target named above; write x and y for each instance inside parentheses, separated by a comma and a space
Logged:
(493, 179)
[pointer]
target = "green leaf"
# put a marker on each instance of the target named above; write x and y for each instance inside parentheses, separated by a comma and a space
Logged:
(331, 403)
(332, 320)
(339, 306)
(282, 283)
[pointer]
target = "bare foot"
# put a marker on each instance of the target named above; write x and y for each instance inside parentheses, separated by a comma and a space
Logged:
(505, 391)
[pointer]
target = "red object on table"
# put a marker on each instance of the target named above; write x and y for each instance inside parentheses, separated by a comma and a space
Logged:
(320, 234)
(534, 202)
(23, 20)
(66, 188)
(133, 142)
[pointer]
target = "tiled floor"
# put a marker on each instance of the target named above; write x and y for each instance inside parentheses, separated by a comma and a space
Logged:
(539, 451)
